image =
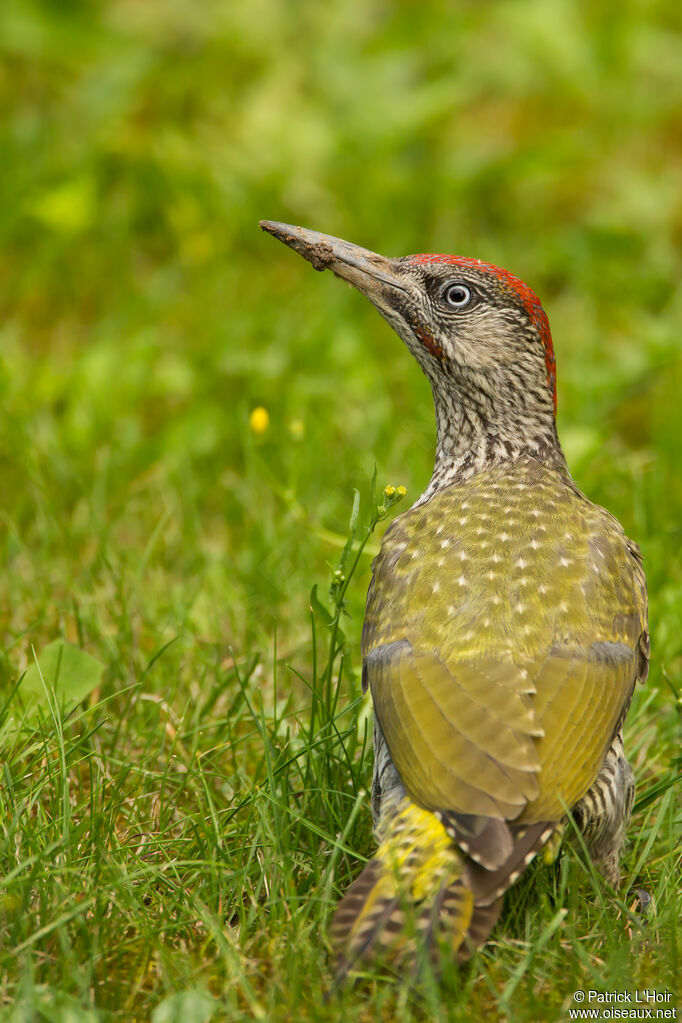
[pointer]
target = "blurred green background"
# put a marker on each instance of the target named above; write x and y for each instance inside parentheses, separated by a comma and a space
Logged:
(144, 315)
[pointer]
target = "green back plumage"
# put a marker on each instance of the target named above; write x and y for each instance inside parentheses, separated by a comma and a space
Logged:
(500, 643)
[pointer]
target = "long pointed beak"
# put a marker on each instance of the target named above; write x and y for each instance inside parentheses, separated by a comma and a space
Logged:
(366, 270)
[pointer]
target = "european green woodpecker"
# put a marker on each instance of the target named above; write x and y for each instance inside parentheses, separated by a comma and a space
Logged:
(506, 622)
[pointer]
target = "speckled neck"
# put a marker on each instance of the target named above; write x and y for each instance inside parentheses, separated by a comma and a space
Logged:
(469, 441)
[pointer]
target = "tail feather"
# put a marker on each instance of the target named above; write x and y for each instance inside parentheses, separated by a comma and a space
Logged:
(367, 918)
(446, 919)
(421, 890)
(482, 922)
(410, 893)
(489, 885)
(486, 840)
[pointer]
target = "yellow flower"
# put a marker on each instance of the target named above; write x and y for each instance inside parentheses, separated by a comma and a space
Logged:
(259, 420)
(389, 491)
(401, 491)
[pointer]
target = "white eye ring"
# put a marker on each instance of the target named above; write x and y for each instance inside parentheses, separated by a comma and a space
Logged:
(457, 295)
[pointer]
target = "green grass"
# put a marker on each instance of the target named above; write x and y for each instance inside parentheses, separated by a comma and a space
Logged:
(185, 829)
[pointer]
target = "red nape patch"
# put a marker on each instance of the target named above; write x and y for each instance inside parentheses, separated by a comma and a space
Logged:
(529, 300)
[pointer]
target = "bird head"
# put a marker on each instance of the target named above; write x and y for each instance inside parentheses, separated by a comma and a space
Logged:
(479, 333)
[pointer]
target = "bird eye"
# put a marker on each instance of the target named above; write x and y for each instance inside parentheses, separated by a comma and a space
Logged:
(457, 295)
